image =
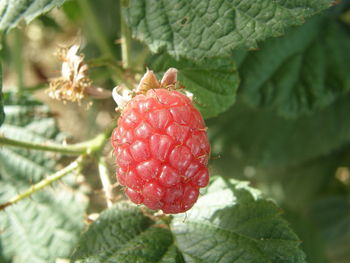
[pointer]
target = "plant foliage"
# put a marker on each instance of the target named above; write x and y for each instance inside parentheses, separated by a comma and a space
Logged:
(304, 71)
(197, 29)
(271, 78)
(46, 226)
(14, 11)
(213, 82)
(231, 222)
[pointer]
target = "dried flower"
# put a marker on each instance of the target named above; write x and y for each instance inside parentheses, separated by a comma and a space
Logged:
(74, 78)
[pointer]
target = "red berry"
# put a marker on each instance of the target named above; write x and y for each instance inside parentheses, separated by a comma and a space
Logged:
(162, 150)
(134, 196)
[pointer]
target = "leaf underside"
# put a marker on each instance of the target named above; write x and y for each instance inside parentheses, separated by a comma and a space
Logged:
(47, 225)
(13, 11)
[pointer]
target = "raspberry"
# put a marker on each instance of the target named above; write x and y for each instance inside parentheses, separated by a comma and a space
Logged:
(161, 148)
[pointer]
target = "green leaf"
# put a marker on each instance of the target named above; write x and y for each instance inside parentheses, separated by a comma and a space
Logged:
(230, 223)
(46, 226)
(233, 223)
(303, 71)
(124, 234)
(332, 216)
(197, 29)
(13, 11)
(213, 82)
(261, 138)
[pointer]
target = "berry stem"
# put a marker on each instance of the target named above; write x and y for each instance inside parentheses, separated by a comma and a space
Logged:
(32, 89)
(74, 166)
(16, 52)
(125, 38)
(88, 147)
(84, 149)
(95, 28)
(98, 92)
(117, 69)
(51, 147)
(106, 181)
(117, 73)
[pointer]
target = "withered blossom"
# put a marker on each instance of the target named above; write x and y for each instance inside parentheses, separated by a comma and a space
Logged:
(74, 80)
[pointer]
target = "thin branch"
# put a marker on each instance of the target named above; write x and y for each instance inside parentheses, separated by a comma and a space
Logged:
(106, 181)
(51, 147)
(125, 38)
(95, 28)
(98, 35)
(45, 182)
(117, 74)
(121, 74)
(35, 88)
(93, 91)
(98, 92)
(16, 50)
(87, 147)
